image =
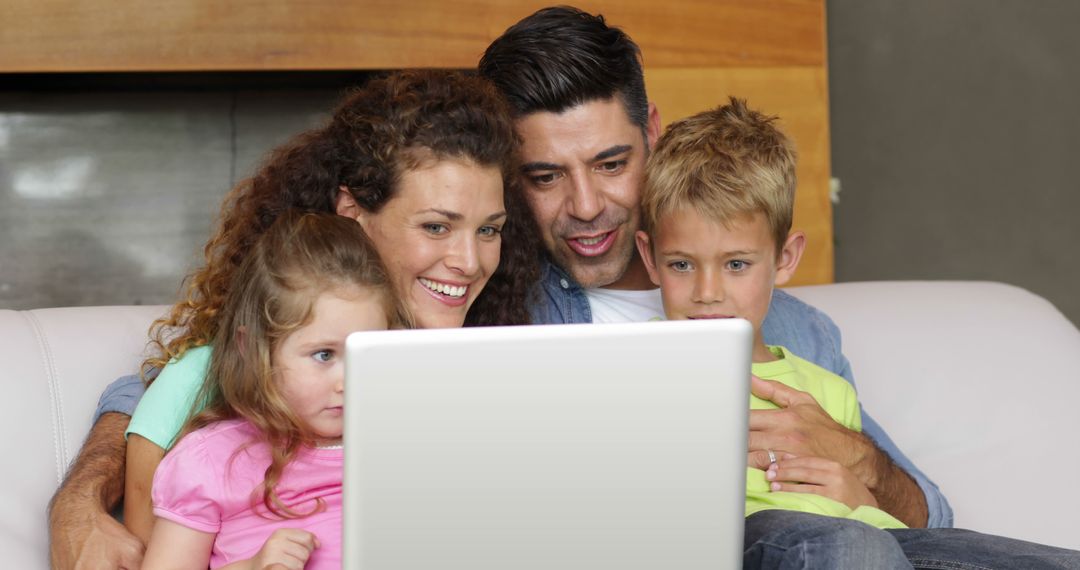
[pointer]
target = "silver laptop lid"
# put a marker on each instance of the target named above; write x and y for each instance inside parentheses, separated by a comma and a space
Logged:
(569, 446)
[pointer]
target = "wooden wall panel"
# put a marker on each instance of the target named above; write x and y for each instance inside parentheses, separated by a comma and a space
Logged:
(199, 35)
(800, 97)
(696, 53)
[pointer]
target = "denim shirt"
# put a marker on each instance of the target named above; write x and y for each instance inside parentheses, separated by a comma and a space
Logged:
(791, 323)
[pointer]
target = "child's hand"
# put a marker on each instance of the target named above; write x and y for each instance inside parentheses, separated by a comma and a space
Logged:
(286, 548)
(820, 476)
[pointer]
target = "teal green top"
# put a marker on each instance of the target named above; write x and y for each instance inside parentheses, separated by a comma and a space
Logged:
(838, 399)
(167, 402)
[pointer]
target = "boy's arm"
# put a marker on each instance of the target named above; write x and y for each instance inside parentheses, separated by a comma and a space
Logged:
(802, 428)
(82, 533)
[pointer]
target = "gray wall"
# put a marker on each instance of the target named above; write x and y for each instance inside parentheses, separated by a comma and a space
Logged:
(106, 197)
(956, 138)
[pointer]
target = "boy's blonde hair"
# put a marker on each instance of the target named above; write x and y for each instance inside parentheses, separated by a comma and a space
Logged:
(724, 163)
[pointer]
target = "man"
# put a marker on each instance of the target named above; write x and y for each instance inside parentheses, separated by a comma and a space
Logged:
(586, 126)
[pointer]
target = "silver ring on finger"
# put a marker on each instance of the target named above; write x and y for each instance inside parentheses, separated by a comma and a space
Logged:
(772, 456)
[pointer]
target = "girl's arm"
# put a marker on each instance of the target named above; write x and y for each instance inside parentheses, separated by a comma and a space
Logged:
(177, 547)
(286, 548)
(143, 457)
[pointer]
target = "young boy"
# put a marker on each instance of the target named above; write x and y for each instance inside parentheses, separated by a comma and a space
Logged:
(716, 217)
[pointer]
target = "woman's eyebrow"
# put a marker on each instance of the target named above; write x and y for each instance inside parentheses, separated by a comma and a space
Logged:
(455, 216)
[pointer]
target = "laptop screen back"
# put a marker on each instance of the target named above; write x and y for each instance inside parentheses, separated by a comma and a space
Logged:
(570, 446)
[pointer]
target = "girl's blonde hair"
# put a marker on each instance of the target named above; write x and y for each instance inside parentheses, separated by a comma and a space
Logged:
(273, 293)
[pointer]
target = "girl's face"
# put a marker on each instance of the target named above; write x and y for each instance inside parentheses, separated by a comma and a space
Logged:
(309, 364)
(439, 237)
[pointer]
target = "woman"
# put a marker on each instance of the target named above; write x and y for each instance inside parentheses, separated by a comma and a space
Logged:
(420, 159)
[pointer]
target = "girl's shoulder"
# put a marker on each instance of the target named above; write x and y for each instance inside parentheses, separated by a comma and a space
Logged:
(218, 440)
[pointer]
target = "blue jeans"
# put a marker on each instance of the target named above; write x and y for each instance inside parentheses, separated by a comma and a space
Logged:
(789, 539)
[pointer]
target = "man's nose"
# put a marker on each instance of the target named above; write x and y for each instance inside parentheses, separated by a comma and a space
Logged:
(586, 199)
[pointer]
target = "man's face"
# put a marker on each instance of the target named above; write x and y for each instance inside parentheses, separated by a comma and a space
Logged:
(582, 171)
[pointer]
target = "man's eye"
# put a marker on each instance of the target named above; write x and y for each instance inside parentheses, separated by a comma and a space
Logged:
(323, 355)
(680, 266)
(612, 166)
(544, 179)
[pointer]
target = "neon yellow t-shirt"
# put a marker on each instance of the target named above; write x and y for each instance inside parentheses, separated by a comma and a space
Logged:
(167, 403)
(838, 399)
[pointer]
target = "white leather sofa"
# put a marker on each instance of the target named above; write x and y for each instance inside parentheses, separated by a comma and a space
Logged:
(975, 381)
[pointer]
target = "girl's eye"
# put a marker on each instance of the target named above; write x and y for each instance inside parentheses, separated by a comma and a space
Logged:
(436, 229)
(680, 266)
(489, 231)
(737, 265)
(323, 355)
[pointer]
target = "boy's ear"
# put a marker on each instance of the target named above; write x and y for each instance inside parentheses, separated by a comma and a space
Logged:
(652, 127)
(789, 257)
(345, 204)
(644, 247)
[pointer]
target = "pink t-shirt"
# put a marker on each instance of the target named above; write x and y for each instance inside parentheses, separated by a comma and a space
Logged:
(206, 484)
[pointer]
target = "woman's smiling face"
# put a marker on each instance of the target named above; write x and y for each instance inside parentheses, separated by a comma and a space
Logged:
(439, 237)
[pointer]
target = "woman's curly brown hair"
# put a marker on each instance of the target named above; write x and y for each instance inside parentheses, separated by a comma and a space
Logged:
(378, 132)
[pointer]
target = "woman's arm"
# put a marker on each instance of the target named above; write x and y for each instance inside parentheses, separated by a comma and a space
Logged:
(143, 457)
(176, 547)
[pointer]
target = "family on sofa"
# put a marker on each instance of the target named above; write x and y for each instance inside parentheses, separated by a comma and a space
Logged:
(455, 182)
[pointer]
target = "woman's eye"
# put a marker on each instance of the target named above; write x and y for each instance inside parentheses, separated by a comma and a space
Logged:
(323, 355)
(436, 229)
(680, 266)
(489, 231)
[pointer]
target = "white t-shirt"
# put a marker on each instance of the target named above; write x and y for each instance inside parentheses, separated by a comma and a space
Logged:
(618, 306)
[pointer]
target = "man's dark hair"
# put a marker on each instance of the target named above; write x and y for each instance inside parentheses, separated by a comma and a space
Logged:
(561, 57)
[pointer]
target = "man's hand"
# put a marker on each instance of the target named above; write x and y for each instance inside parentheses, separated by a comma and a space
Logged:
(802, 429)
(819, 476)
(82, 534)
(99, 543)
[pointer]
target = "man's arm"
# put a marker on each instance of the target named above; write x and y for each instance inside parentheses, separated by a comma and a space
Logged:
(82, 533)
(801, 427)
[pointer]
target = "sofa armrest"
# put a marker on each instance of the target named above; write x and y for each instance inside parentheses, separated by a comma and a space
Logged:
(975, 382)
(54, 363)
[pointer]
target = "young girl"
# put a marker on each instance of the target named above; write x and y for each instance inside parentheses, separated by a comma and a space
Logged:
(256, 480)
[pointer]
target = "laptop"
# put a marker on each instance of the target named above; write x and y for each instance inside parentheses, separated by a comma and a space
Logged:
(608, 446)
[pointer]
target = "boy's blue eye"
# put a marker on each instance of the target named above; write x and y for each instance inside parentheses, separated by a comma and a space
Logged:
(680, 266)
(737, 265)
(323, 355)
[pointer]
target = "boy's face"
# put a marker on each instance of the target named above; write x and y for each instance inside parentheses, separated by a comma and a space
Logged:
(706, 270)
